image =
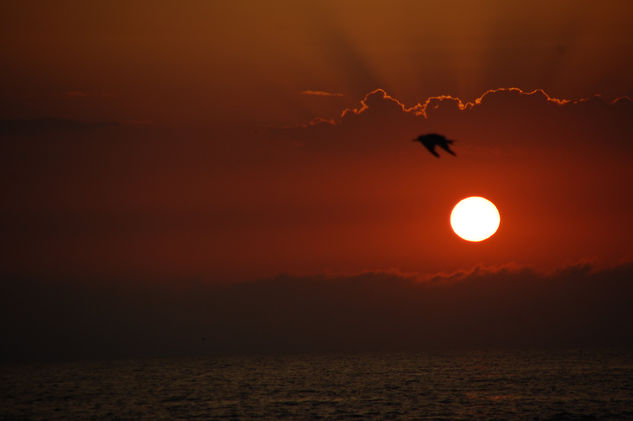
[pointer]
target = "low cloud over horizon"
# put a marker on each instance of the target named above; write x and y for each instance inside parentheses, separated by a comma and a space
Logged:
(574, 306)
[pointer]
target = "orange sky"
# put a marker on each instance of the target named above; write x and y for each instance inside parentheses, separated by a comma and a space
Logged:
(347, 197)
(155, 152)
(206, 164)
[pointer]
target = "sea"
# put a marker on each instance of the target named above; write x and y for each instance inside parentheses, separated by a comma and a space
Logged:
(464, 385)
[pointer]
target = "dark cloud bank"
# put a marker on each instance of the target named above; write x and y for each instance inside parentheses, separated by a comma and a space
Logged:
(506, 307)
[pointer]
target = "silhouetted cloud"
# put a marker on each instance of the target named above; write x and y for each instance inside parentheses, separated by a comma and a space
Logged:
(373, 99)
(508, 306)
(512, 97)
(381, 121)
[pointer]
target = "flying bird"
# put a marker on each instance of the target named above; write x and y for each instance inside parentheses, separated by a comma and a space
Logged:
(431, 140)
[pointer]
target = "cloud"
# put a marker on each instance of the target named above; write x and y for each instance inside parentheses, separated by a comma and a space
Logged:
(530, 118)
(577, 305)
(320, 93)
(425, 107)
(374, 98)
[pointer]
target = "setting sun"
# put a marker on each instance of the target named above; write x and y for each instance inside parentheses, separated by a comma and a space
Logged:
(475, 219)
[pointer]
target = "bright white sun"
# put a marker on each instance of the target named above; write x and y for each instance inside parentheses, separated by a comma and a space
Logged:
(475, 218)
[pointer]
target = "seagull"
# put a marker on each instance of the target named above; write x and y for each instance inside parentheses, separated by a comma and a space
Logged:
(431, 140)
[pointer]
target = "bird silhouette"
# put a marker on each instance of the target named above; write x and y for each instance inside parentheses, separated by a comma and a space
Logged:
(431, 140)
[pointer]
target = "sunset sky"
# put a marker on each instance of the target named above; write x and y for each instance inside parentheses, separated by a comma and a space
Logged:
(253, 152)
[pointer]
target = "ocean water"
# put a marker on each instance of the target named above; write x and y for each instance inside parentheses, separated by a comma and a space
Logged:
(569, 385)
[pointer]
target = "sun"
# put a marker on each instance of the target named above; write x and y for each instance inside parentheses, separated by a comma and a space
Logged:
(475, 218)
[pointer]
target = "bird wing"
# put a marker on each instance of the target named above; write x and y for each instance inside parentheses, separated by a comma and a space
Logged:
(431, 148)
(447, 148)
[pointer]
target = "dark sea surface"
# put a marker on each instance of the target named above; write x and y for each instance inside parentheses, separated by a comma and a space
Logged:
(561, 385)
